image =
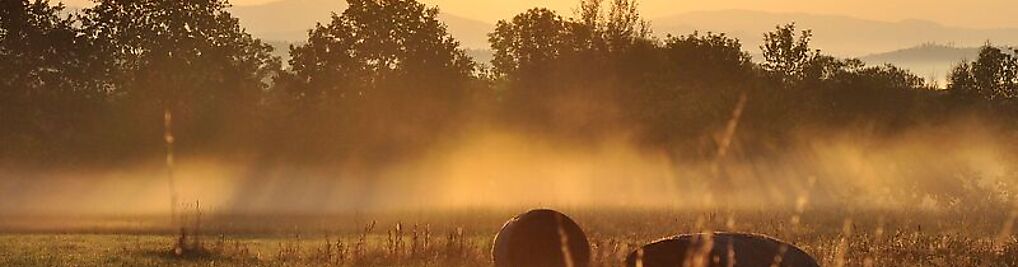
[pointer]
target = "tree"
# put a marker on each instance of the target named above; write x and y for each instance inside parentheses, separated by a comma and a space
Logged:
(624, 25)
(190, 58)
(375, 44)
(787, 56)
(532, 41)
(612, 28)
(529, 43)
(709, 58)
(962, 84)
(697, 80)
(48, 92)
(886, 97)
(385, 75)
(993, 76)
(535, 59)
(567, 75)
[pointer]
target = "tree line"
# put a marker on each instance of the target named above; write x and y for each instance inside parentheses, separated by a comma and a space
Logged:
(384, 80)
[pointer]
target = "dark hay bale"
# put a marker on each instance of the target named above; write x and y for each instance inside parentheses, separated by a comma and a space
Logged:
(718, 250)
(541, 238)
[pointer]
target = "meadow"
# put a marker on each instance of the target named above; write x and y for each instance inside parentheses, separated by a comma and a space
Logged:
(836, 237)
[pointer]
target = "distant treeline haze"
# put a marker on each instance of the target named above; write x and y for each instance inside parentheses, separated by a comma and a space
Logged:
(384, 80)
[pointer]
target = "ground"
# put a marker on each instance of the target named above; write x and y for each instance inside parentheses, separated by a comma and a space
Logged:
(834, 237)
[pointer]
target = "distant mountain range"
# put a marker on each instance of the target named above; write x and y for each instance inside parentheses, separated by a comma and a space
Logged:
(925, 54)
(838, 35)
(287, 21)
(930, 61)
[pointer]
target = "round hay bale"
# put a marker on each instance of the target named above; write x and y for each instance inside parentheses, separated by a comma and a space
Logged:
(541, 238)
(719, 250)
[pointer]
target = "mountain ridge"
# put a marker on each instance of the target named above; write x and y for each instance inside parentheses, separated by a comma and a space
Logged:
(836, 34)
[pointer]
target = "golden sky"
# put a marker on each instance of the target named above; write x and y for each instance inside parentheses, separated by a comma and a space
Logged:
(970, 13)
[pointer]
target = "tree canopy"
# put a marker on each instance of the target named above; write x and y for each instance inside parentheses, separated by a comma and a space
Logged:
(385, 79)
(49, 95)
(189, 58)
(993, 76)
(387, 68)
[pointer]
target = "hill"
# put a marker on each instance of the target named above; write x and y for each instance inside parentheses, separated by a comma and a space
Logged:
(837, 35)
(925, 53)
(932, 61)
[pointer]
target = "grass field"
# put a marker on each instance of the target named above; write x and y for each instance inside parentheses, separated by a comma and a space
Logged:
(835, 238)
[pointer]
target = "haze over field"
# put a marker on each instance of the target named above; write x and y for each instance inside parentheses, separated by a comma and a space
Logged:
(505, 170)
(405, 132)
(381, 108)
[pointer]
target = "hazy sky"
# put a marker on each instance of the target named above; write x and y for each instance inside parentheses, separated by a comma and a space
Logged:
(970, 13)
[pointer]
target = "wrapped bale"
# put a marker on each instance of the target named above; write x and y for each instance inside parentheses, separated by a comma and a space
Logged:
(720, 250)
(541, 238)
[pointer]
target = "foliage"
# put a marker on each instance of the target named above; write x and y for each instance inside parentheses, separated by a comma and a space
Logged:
(708, 57)
(532, 40)
(48, 94)
(992, 77)
(384, 81)
(566, 76)
(787, 56)
(389, 61)
(190, 58)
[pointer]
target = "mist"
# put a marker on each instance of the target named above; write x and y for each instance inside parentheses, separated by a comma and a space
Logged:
(587, 112)
(963, 163)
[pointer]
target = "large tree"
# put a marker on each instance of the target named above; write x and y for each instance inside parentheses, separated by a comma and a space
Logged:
(529, 43)
(189, 58)
(385, 75)
(692, 84)
(49, 94)
(371, 46)
(567, 75)
(708, 57)
(993, 76)
(787, 54)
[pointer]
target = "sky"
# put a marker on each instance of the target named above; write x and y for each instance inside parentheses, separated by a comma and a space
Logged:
(970, 13)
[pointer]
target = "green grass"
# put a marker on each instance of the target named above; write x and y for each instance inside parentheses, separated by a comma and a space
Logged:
(155, 250)
(873, 238)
